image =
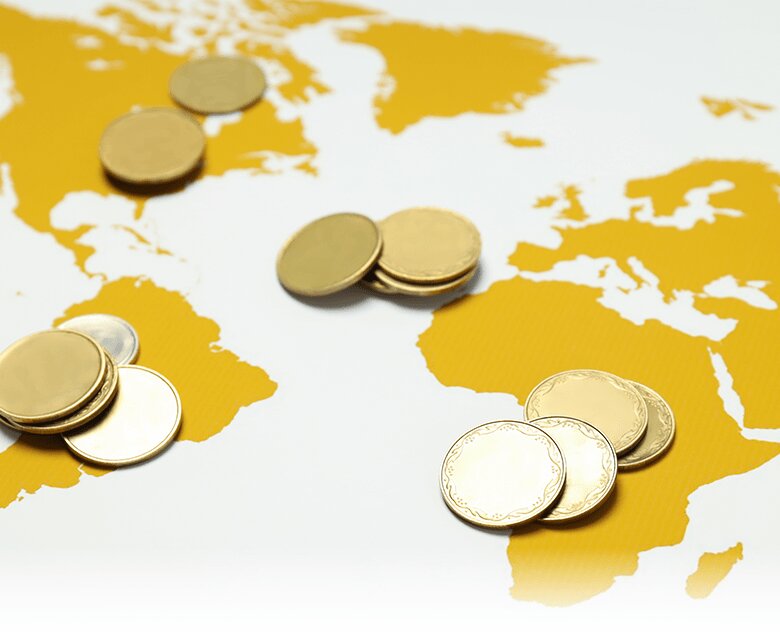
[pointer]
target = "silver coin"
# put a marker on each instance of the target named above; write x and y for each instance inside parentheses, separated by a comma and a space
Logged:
(115, 335)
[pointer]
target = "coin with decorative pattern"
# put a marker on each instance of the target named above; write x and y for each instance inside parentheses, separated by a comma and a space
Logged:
(502, 474)
(591, 467)
(660, 431)
(601, 399)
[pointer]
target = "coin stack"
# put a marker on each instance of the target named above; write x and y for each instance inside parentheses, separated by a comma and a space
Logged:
(78, 381)
(420, 252)
(561, 464)
(159, 146)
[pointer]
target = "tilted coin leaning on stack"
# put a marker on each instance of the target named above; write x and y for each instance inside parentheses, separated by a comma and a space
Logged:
(561, 463)
(78, 381)
(419, 252)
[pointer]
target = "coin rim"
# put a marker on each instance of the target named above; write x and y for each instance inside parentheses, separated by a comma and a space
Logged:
(160, 179)
(612, 485)
(444, 277)
(74, 406)
(422, 290)
(492, 526)
(136, 340)
(667, 445)
(66, 423)
(372, 283)
(169, 438)
(352, 279)
(197, 110)
(641, 433)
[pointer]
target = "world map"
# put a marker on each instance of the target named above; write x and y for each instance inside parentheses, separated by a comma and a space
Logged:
(700, 235)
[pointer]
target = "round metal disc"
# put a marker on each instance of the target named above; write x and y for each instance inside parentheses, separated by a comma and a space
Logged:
(601, 399)
(422, 290)
(142, 421)
(49, 375)
(329, 254)
(217, 84)
(502, 474)
(428, 245)
(115, 335)
(152, 146)
(92, 409)
(591, 467)
(659, 435)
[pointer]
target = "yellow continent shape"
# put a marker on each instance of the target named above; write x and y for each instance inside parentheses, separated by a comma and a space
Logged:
(213, 383)
(518, 332)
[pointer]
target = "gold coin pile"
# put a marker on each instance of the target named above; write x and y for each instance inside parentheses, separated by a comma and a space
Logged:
(419, 252)
(561, 463)
(78, 381)
(160, 145)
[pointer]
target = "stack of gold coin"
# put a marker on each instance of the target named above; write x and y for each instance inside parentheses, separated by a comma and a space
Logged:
(160, 146)
(561, 464)
(419, 252)
(78, 380)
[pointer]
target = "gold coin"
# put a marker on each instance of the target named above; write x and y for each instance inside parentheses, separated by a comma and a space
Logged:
(152, 146)
(92, 409)
(502, 474)
(115, 335)
(217, 84)
(600, 399)
(591, 467)
(49, 375)
(660, 431)
(422, 290)
(372, 283)
(142, 421)
(428, 245)
(329, 254)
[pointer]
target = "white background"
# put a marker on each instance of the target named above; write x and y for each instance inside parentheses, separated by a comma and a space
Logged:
(317, 511)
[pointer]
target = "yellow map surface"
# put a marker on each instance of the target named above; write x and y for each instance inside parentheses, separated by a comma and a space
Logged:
(712, 569)
(71, 80)
(520, 331)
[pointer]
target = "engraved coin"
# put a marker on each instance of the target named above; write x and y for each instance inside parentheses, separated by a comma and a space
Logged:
(142, 421)
(591, 467)
(502, 474)
(92, 409)
(659, 435)
(422, 290)
(217, 84)
(115, 335)
(329, 254)
(428, 245)
(49, 375)
(152, 146)
(601, 399)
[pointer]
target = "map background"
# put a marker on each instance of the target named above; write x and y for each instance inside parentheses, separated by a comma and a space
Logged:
(261, 528)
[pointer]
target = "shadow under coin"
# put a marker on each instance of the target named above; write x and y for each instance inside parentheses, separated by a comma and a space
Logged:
(597, 515)
(155, 189)
(349, 298)
(435, 302)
